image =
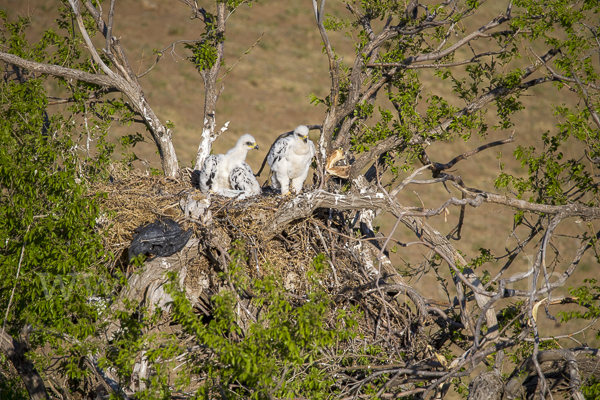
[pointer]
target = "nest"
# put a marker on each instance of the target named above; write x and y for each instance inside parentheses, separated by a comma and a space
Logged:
(135, 198)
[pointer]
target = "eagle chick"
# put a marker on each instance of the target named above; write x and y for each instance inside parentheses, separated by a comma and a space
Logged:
(228, 174)
(290, 158)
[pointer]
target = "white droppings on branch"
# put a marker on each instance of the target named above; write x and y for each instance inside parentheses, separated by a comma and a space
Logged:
(223, 129)
(207, 139)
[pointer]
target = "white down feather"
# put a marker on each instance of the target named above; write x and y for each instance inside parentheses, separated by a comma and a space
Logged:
(290, 158)
(228, 174)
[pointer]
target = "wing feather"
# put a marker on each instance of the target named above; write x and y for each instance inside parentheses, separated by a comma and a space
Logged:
(312, 151)
(242, 178)
(290, 159)
(279, 149)
(208, 173)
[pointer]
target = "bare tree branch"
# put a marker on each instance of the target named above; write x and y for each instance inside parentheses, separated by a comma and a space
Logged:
(57, 70)
(514, 386)
(211, 93)
(586, 99)
(445, 65)
(125, 81)
(464, 156)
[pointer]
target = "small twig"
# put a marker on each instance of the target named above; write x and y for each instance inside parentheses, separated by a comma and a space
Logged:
(447, 65)
(109, 26)
(161, 54)
(240, 59)
(437, 167)
(408, 180)
(12, 293)
(589, 106)
(322, 239)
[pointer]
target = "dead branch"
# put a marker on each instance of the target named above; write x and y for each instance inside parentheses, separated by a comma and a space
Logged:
(437, 167)
(211, 92)
(124, 80)
(57, 70)
(443, 65)
(324, 143)
(15, 351)
(565, 358)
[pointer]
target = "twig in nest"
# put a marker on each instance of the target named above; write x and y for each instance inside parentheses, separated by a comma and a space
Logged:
(322, 239)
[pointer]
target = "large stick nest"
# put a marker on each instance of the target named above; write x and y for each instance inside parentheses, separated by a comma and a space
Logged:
(135, 198)
(393, 316)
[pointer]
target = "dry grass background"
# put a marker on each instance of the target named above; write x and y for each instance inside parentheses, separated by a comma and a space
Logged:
(267, 93)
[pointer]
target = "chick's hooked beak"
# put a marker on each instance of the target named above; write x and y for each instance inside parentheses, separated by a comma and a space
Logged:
(255, 146)
(304, 138)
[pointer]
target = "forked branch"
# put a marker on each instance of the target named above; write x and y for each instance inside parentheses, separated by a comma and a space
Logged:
(123, 79)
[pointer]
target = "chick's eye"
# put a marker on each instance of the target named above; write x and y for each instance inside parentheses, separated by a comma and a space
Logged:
(248, 143)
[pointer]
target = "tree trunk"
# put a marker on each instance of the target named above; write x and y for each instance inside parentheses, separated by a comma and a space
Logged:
(15, 352)
(211, 93)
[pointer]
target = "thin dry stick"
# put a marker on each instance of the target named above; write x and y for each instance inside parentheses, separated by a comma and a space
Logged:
(243, 55)
(408, 180)
(15, 285)
(379, 272)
